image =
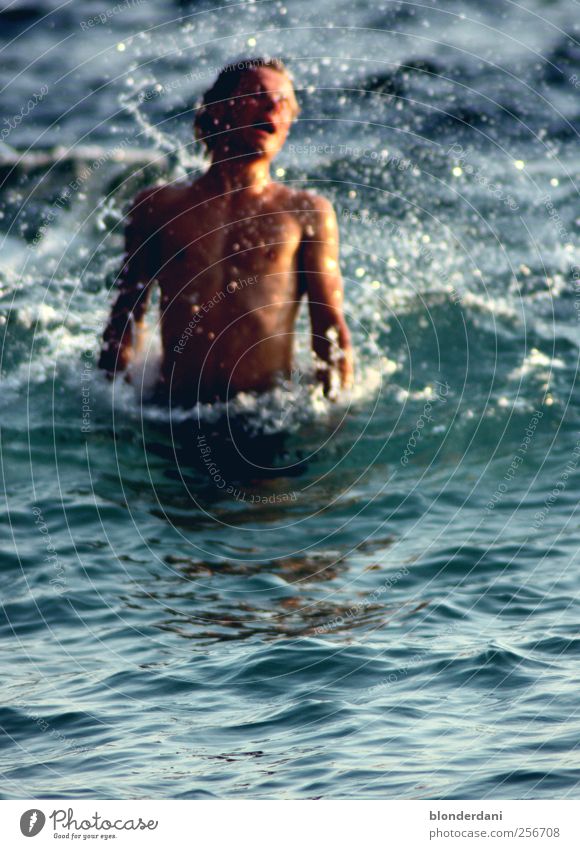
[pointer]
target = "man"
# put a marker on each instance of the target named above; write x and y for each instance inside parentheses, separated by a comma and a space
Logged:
(234, 253)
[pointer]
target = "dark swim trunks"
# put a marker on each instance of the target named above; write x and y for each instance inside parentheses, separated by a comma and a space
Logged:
(238, 448)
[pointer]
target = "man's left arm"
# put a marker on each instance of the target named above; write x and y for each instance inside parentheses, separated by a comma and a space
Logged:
(123, 332)
(319, 268)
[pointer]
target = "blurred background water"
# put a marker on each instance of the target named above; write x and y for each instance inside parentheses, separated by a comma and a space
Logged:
(389, 608)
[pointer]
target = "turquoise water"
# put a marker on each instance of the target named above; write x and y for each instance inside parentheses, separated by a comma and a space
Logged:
(385, 604)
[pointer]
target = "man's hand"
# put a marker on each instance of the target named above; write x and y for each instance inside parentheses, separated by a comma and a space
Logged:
(320, 270)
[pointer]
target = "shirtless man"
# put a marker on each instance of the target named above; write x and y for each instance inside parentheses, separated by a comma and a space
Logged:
(234, 253)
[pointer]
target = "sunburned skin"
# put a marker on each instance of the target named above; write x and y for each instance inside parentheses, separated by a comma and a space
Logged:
(234, 253)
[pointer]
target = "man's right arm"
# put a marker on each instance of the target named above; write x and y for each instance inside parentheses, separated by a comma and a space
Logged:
(319, 264)
(134, 284)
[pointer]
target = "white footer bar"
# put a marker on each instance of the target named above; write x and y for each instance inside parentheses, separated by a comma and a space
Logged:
(291, 824)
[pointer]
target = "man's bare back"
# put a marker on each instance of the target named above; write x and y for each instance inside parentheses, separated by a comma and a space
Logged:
(233, 253)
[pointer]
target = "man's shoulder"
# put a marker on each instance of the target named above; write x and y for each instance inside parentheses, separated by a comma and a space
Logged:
(307, 201)
(312, 210)
(155, 198)
(155, 205)
(315, 213)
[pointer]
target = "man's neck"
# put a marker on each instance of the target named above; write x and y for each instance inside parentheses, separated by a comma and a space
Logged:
(231, 174)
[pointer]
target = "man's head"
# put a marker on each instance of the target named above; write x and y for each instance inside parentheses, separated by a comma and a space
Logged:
(248, 110)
